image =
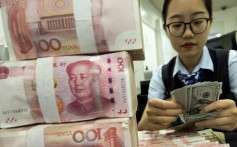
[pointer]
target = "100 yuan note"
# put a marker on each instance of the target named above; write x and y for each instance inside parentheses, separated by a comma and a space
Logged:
(40, 28)
(19, 102)
(66, 89)
(171, 139)
(100, 133)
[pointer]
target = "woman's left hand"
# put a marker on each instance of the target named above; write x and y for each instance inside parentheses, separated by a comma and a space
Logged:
(227, 119)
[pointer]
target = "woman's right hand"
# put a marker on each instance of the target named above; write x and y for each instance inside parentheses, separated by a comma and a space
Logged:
(159, 114)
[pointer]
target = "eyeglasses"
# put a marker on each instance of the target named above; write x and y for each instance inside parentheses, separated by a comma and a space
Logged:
(197, 26)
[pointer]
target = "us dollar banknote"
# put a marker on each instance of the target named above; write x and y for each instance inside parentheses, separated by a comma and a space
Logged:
(195, 97)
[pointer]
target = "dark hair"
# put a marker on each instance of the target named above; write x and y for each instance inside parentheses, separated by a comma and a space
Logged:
(91, 65)
(208, 4)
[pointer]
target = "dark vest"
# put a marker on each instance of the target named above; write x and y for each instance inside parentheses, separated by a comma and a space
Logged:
(221, 73)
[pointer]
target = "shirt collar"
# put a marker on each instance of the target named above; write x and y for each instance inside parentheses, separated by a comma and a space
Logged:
(205, 63)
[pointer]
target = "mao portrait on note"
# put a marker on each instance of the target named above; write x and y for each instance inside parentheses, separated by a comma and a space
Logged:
(83, 80)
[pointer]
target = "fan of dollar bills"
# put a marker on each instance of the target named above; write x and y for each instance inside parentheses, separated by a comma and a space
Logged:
(195, 97)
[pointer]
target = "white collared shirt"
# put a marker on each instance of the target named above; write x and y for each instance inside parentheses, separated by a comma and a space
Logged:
(157, 88)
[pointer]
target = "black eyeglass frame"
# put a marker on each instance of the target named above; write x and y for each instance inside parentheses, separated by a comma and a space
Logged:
(188, 23)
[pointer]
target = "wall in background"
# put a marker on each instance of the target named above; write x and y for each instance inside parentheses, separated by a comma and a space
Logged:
(149, 17)
(164, 50)
(157, 47)
(224, 21)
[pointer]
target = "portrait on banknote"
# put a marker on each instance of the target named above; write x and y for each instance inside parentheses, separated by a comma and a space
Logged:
(83, 80)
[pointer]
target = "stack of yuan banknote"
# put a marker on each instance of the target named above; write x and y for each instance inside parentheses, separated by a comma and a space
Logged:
(170, 138)
(97, 133)
(53, 28)
(66, 89)
(4, 54)
(3, 49)
(66, 72)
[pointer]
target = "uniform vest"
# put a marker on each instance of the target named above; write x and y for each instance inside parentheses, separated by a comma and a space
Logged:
(220, 58)
(221, 73)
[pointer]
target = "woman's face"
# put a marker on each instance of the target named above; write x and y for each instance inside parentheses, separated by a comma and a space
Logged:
(188, 45)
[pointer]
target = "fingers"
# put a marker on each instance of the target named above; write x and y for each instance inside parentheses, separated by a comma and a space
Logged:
(218, 105)
(227, 119)
(163, 104)
(152, 126)
(160, 113)
(160, 122)
(228, 112)
(223, 123)
(165, 120)
(163, 108)
(163, 112)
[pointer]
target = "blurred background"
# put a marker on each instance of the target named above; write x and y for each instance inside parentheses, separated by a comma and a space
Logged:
(158, 49)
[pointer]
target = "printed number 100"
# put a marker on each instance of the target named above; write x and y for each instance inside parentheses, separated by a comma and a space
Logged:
(43, 45)
(120, 64)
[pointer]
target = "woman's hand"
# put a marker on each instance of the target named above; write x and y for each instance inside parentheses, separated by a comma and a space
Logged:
(227, 119)
(160, 113)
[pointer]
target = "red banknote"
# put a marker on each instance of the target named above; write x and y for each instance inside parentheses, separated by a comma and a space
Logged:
(41, 28)
(67, 89)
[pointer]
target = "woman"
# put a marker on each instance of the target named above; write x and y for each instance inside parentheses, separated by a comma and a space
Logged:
(187, 24)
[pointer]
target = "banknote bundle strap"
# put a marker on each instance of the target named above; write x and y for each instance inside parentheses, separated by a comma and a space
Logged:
(84, 25)
(36, 137)
(45, 90)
